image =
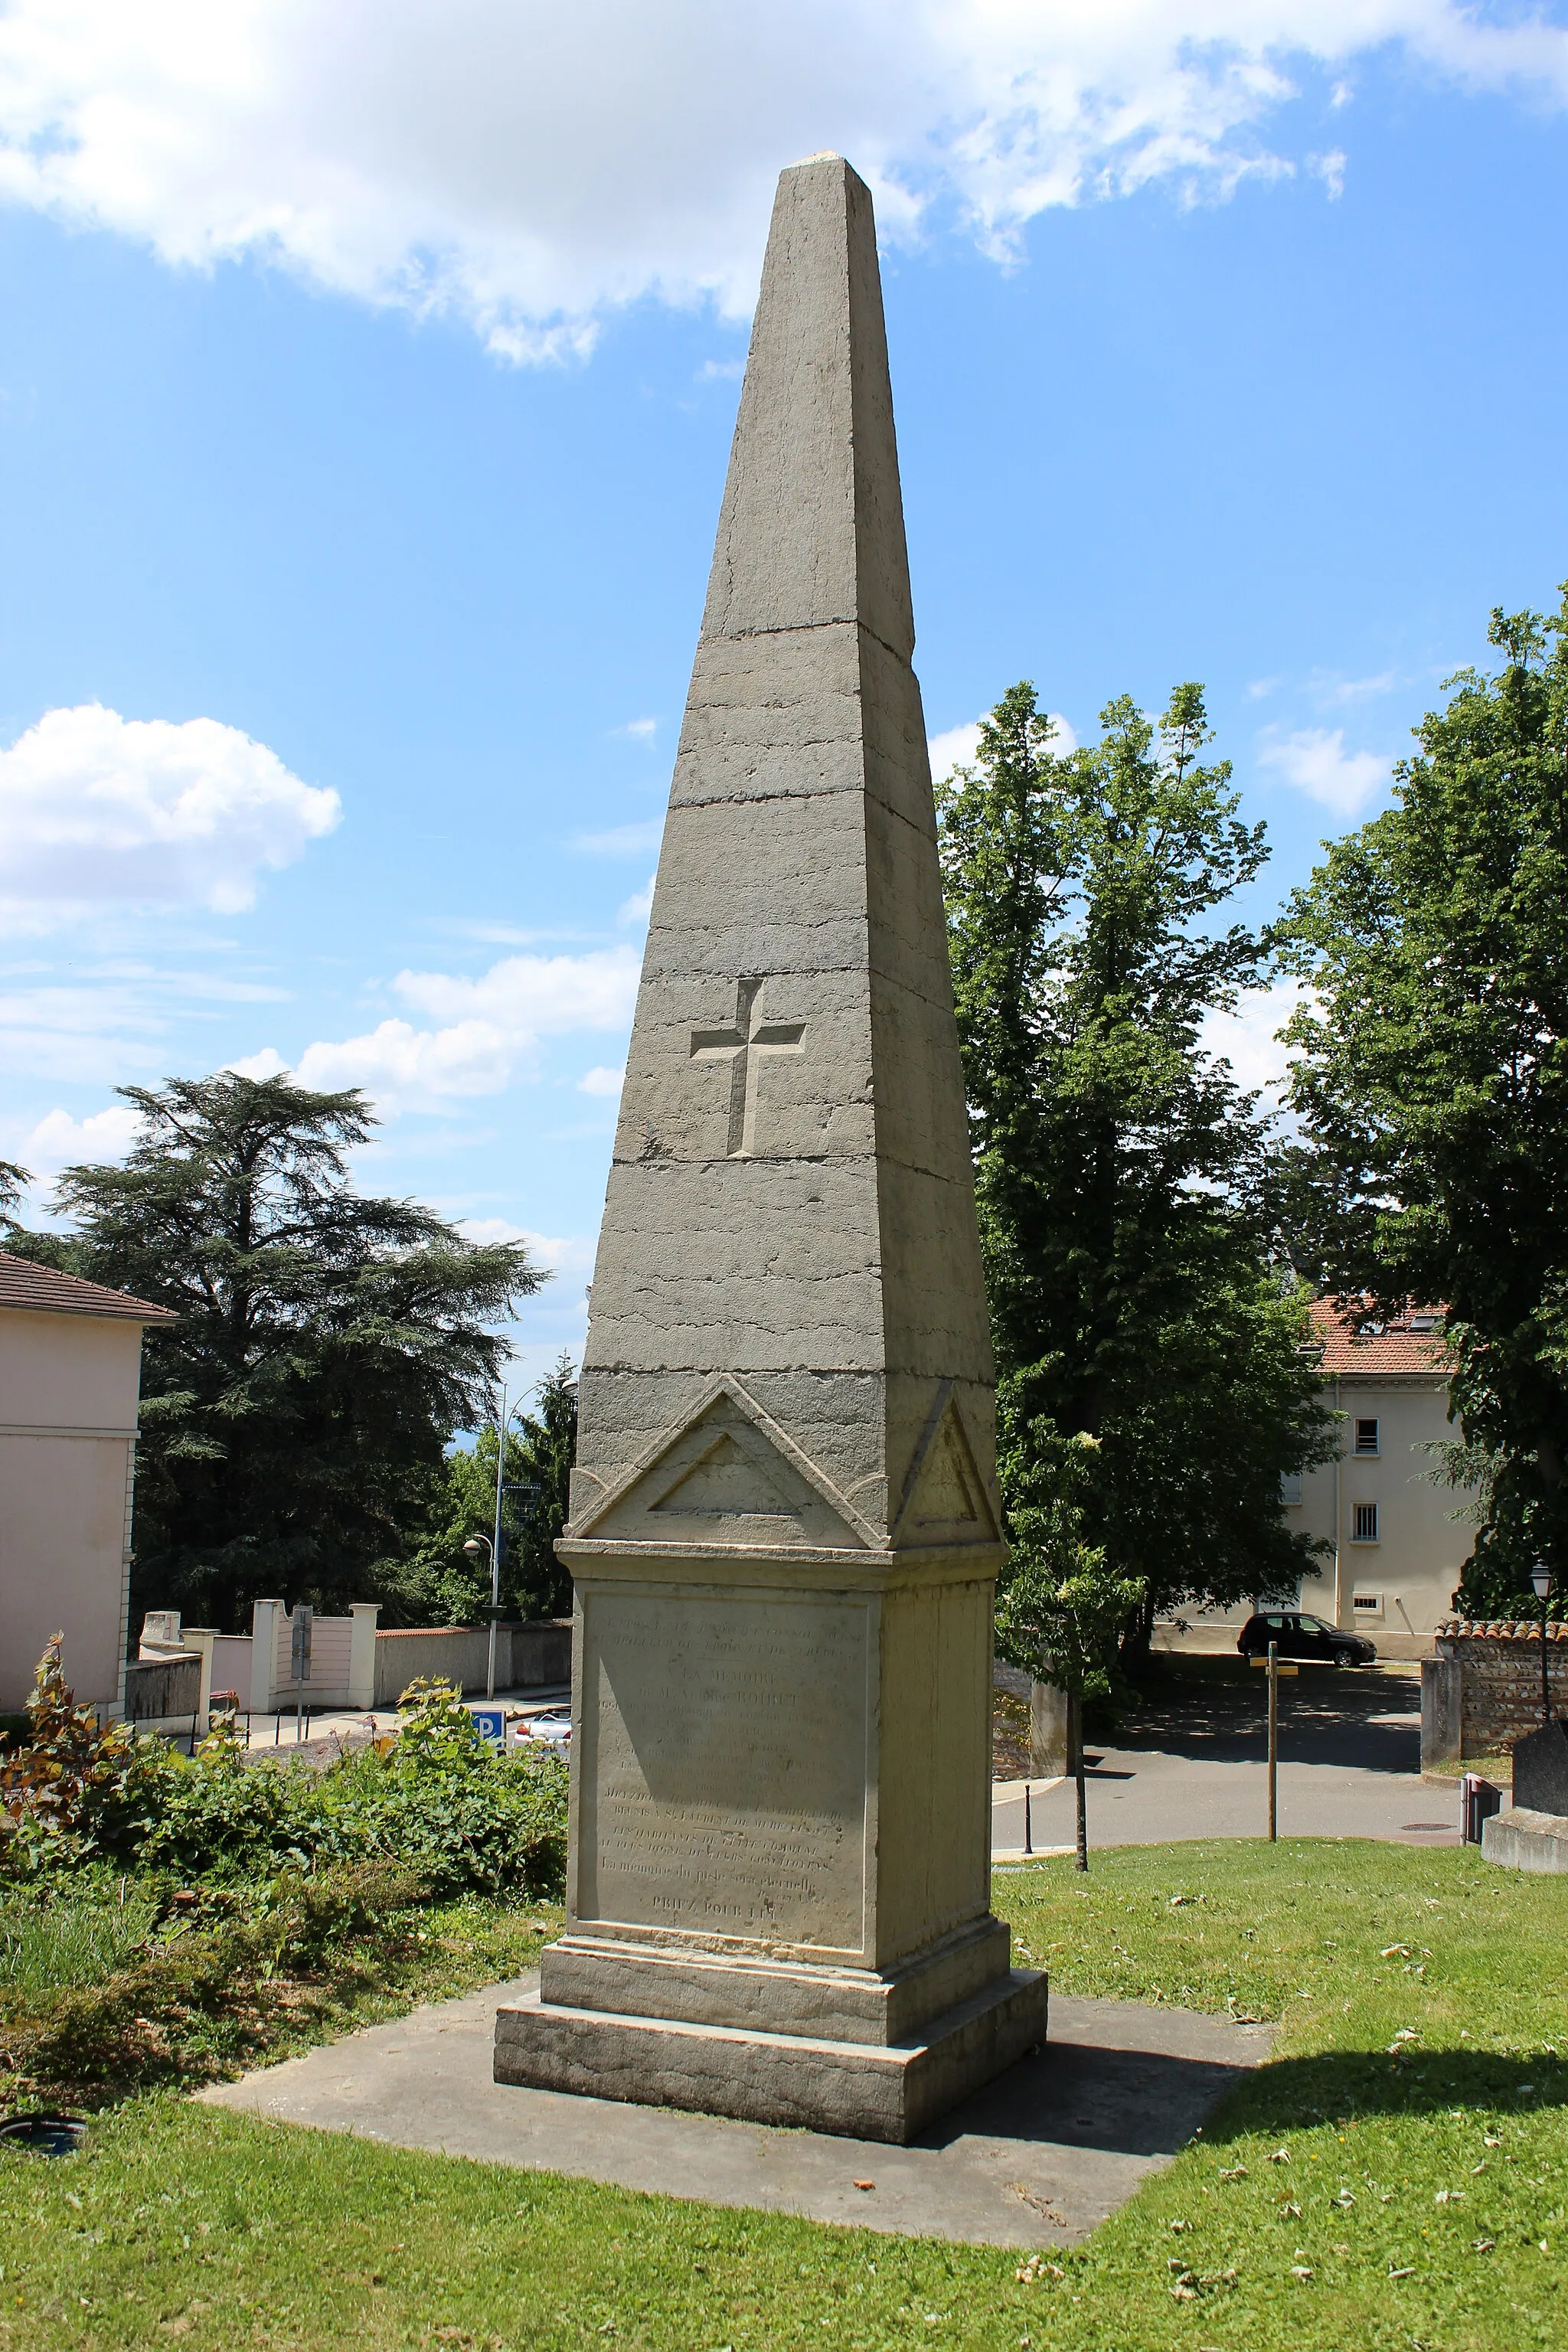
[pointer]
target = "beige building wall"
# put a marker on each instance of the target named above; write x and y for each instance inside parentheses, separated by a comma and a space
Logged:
(1391, 1575)
(1396, 1584)
(69, 1388)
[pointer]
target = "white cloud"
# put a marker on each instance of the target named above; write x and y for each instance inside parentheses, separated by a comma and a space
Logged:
(955, 746)
(97, 810)
(107, 1018)
(601, 1081)
(1246, 1037)
(1316, 762)
(634, 911)
(525, 165)
(267, 1064)
(1327, 691)
(60, 1141)
(561, 1253)
(483, 1032)
(641, 731)
(620, 840)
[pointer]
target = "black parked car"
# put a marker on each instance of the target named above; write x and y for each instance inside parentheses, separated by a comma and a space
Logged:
(1297, 1635)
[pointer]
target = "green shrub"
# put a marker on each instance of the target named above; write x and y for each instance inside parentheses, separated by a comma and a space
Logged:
(438, 1800)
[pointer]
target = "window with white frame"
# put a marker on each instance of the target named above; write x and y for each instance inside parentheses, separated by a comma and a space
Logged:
(1364, 1523)
(1366, 1437)
(1367, 1604)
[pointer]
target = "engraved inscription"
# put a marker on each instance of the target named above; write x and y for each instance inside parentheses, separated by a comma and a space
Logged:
(744, 1047)
(728, 1760)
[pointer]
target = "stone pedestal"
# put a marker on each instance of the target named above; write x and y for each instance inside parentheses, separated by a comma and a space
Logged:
(786, 1529)
(778, 1903)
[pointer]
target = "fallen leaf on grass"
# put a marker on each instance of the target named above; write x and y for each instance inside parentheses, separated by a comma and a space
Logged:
(864, 2184)
(1281, 2155)
(1482, 2245)
(1301, 2269)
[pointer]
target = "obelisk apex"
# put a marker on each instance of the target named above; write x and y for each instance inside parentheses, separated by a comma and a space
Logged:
(812, 527)
(784, 1529)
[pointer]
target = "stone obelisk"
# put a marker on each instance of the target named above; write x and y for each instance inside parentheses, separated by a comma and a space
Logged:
(784, 1529)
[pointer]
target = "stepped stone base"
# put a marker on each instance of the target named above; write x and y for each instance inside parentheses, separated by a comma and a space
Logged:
(1521, 1839)
(580, 1970)
(863, 2090)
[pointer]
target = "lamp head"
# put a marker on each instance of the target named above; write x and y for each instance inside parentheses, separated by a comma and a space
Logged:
(1540, 1579)
(474, 1547)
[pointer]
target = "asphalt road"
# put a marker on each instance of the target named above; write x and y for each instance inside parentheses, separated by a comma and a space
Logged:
(1193, 1765)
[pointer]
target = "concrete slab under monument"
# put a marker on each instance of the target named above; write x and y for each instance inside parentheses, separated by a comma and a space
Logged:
(1036, 2159)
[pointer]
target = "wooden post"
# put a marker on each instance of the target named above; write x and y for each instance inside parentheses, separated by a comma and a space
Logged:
(1080, 1860)
(1273, 1741)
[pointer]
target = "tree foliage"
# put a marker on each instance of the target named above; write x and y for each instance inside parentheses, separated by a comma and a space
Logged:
(1120, 1173)
(439, 1584)
(328, 1343)
(1431, 1072)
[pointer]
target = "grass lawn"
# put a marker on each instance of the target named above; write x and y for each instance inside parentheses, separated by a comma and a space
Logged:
(1396, 2177)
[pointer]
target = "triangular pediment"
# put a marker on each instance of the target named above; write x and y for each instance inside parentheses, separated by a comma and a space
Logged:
(729, 1476)
(727, 1480)
(946, 1497)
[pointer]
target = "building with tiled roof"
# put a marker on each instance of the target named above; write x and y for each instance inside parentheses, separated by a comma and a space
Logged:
(70, 1376)
(1394, 1552)
(1413, 1342)
(41, 1291)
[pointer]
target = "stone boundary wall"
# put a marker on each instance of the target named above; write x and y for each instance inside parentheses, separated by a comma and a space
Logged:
(160, 1687)
(1482, 1690)
(535, 1657)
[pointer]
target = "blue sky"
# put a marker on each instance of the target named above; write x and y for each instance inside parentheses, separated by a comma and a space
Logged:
(366, 381)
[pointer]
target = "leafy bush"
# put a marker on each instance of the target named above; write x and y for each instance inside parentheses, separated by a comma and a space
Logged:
(438, 1800)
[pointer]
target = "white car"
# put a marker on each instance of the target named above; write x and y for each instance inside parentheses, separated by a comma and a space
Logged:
(552, 1730)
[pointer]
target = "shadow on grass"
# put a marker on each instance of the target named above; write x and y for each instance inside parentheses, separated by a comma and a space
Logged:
(1149, 2102)
(1338, 2086)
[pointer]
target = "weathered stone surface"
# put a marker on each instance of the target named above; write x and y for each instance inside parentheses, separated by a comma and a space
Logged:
(1484, 1691)
(1541, 1768)
(784, 1523)
(1520, 1839)
(855, 2087)
(791, 1192)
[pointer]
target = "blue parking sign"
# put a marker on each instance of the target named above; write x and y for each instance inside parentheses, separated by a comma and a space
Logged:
(492, 1721)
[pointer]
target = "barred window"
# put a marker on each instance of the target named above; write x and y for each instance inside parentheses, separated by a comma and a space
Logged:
(1363, 1525)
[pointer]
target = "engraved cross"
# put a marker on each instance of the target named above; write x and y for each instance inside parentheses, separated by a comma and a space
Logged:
(744, 1046)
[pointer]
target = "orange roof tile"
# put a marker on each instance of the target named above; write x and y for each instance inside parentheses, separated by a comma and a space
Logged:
(1395, 1347)
(42, 1291)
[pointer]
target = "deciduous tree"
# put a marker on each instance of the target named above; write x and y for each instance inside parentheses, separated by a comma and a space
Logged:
(1121, 1172)
(1431, 1072)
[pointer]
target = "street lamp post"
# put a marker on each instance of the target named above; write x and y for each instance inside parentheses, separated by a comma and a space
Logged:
(1541, 1578)
(472, 1549)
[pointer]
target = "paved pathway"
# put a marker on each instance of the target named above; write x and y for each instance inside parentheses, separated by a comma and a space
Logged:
(1194, 1767)
(1037, 2159)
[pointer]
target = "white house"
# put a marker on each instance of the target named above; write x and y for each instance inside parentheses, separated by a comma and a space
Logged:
(70, 1375)
(1396, 1550)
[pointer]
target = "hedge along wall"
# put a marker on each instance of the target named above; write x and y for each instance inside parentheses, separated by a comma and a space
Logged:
(1482, 1690)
